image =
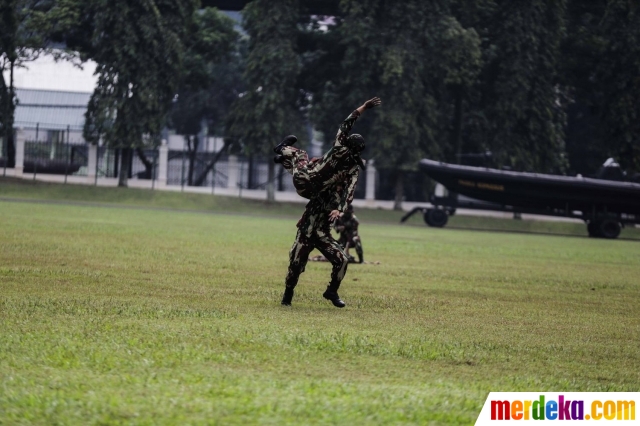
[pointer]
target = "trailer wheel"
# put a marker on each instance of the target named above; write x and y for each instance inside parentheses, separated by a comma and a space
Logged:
(609, 228)
(436, 218)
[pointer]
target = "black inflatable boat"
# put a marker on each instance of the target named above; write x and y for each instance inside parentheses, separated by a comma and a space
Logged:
(603, 204)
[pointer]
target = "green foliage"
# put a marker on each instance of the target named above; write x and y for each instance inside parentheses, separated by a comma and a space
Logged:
(418, 59)
(210, 41)
(458, 56)
(209, 83)
(526, 120)
(25, 31)
(321, 51)
(267, 111)
(582, 50)
(211, 73)
(139, 50)
(617, 74)
(25, 28)
(456, 76)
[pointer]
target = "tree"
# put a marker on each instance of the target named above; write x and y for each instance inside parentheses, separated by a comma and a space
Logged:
(618, 78)
(25, 30)
(520, 96)
(582, 49)
(599, 73)
(267, 110)
(209, 84)
(321, 50)
(139, 50)
(419, 60)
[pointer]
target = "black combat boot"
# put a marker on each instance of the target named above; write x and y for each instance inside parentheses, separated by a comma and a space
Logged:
(278, 159)
(335, 299)
(288, 141)
(287, 296)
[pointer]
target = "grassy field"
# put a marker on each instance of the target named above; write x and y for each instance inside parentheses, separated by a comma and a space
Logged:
(19, 189)
(124, 308)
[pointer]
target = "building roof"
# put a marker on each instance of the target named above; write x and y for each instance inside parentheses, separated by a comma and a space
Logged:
(50, 109)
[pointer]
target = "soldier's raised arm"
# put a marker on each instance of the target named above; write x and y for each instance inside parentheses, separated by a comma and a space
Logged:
(347, 124)
(371, 103)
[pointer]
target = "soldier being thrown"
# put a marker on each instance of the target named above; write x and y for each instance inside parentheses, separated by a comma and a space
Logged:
(314, 232)
(340, 164)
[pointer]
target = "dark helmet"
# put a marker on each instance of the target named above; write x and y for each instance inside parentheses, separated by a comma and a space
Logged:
(355, 143)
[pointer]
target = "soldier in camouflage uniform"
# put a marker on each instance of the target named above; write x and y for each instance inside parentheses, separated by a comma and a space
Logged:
(340, 164)
(347, 226)
(314, 232)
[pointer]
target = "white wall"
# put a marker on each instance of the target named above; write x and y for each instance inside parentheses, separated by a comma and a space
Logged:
(75, 136)
(47, 74)
(212, 144)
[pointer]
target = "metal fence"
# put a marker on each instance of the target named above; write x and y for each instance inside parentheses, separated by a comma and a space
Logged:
(252, 172)
(144, 164)
(3, 156)
(176, 167)
(107, 162)
(56, 157)
(182, 165)
(61, 156)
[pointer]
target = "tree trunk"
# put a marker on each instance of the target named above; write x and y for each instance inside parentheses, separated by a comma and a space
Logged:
(397, 203)
(125, 162)
(116, 162)
(202, 176)
(148, 164)
(250, 177)
(281, 180)
(456, 134)
(271, 183)
(8, 117)
(193, 152)
(11, 145)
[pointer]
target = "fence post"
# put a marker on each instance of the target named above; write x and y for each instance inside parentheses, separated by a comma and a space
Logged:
(153, 171)
(241, 177)
(98, 161)
(66, 168)
(182, 171)
(35, 161)
(20, 139)
(163, 161)
(5, 156)
(213, 179)
(232, 180)
(370, 193)
(92, 162)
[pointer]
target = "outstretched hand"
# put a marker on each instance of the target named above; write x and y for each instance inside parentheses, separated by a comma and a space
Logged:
(334, 215)
(372, 103)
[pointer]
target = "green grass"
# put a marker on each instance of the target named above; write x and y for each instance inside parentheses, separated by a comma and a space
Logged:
(118, 315)
(12, 189)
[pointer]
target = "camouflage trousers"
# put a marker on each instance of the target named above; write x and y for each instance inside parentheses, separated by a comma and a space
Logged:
(354, 242)
(324, 242)
(310, 177)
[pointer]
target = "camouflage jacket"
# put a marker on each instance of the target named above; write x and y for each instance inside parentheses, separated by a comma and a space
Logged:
(315, 219)
(348, 228)
(342, 168)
